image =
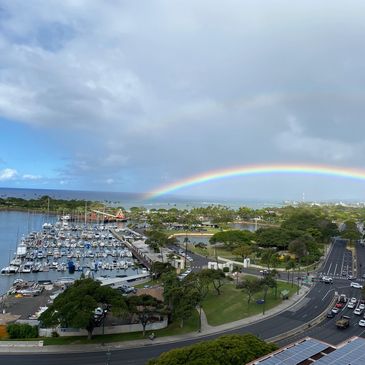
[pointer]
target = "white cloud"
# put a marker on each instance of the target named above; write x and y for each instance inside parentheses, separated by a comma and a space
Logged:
(31, 177)
(8, 174)
(137, 91)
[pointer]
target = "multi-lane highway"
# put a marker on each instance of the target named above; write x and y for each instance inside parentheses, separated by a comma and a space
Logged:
(317, 300)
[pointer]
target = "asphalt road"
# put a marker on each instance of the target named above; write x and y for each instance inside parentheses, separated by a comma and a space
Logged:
(317, 300)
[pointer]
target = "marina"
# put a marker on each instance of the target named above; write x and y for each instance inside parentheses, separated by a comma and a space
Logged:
(66, 248)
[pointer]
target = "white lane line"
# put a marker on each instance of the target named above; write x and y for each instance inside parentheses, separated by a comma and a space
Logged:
(328, 272)
(327, 294)
(335, 269)
(343, 259)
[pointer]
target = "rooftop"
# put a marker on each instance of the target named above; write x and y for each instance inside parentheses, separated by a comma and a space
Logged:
(311, 351)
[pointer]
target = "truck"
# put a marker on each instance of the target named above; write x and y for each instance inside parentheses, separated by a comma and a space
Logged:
(343, 322)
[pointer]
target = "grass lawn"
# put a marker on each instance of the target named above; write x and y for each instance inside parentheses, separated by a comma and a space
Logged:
(232, 305)
(191, 325)
(211, 251)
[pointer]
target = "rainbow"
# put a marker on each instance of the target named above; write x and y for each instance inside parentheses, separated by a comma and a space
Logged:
(250, 170)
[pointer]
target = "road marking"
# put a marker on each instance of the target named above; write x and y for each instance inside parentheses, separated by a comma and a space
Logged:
(328, 272)
(327, 294)
(343, 259)
(335, 269)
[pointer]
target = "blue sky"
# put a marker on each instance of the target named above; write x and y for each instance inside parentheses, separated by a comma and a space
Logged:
(129, 95)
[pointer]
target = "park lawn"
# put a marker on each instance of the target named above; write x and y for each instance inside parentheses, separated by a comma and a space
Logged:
(190, 325)
(232, 305)
(212, 251)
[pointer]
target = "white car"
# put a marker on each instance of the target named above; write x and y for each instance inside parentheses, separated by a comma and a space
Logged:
(335, 310)
(362, 323)
(356, 285)
(353, 300)
(357, 311)
(362, 306)
(327, 279)
(351, 305)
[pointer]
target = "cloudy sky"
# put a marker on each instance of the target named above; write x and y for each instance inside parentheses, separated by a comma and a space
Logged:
(130, 95)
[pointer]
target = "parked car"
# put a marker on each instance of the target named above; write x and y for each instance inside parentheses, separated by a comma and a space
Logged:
(356, 285)
(330, 314)
(362, 323)
(358, 311)
(351, 305)
(335, 310)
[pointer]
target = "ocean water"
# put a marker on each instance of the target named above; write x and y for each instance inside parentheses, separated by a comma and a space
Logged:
(128, 200)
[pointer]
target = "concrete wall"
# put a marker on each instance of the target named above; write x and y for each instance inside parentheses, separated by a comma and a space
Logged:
(108, 330)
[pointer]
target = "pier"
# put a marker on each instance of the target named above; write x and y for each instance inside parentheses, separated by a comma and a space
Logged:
(143, 255)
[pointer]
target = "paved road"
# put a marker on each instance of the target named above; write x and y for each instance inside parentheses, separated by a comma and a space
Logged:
(316, 301)
(198, 261)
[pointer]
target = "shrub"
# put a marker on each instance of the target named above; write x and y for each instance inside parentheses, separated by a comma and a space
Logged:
(22, 330)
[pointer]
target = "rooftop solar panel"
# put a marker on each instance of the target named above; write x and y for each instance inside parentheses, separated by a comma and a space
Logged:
(352, 353)
(296, 354)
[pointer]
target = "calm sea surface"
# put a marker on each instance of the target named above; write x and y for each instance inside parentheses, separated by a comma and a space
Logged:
(128, 200)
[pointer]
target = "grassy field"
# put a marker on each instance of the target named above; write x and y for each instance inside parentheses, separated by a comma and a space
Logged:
(211, 251)
(190, 325)
(232, 305)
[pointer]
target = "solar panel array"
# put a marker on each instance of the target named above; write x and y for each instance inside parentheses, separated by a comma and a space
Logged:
(296, 354)
(352, 353)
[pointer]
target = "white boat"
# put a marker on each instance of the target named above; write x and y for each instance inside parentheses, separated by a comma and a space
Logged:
(16, 262)
(47, 226)
(13, 269)
(64, 281)
(21, 250)
(27, 267)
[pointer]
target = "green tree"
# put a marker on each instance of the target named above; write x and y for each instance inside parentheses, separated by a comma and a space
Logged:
(225, 350)
(273, 237)
(180, 296)
(146, 308)
(250, 286)
(243, 250)
(217, 278)
(158, 268)
(289, 265)
(351, 232)
(232, 238)
(76, 305)
(268, 257)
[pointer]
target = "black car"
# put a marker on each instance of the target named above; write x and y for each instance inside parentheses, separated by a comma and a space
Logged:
(330, 314)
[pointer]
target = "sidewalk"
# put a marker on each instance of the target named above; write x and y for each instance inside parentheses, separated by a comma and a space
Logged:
(207, 330)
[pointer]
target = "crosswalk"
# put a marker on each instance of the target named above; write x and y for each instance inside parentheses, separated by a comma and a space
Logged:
(341, 277)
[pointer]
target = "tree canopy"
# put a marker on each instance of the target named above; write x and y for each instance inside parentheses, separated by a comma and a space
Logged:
(225, 350)
(232, 238)
(76, 305)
